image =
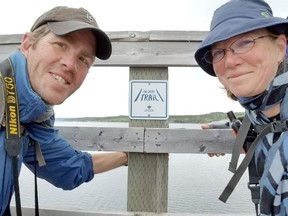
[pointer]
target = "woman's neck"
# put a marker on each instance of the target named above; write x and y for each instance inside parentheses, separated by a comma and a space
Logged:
(273, 111)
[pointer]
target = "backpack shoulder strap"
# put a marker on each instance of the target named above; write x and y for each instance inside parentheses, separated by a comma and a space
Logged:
(239, 143)
(273, 127)
(243, 166)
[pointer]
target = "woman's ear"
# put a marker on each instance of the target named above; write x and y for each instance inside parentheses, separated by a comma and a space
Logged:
(26, 44)
(282, 44)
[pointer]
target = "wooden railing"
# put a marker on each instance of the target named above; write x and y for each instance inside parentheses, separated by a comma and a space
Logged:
(148, 56)
(137, 49)
(149, 140)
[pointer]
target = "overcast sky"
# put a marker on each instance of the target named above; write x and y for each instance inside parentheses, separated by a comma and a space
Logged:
(105, 91)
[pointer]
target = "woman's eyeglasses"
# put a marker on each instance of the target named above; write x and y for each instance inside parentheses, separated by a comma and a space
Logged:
(239, 46)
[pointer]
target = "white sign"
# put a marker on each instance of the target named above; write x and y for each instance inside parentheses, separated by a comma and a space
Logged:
(148, 99)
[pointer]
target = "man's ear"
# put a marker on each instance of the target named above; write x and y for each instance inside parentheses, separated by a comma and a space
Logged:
(26, 44)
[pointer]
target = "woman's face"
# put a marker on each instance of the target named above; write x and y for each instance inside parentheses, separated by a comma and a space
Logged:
(249, 74)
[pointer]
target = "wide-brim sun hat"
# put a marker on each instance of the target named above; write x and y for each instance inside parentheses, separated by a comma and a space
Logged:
(63, 20)
(234, 18)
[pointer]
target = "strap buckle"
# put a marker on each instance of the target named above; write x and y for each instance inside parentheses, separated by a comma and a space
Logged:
(255, 192)
(255, 195)
(279, 126)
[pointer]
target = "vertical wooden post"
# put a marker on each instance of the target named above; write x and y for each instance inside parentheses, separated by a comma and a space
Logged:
(148, 173)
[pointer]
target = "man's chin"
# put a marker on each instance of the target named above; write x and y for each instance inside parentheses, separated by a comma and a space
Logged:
(54, 101)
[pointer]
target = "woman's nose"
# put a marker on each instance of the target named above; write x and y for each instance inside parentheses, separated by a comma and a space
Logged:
(230, 58)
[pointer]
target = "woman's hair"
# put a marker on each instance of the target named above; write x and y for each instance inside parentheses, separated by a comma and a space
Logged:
(282, 66)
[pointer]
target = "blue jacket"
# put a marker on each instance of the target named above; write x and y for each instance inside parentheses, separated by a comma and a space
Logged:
(65, 167)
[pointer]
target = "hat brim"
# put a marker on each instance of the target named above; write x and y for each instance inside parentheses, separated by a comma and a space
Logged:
(232, 28)
(104, 46)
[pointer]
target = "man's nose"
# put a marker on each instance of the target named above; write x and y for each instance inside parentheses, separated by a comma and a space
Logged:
(70, 61)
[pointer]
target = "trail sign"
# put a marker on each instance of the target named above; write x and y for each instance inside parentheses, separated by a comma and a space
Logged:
(148, 99)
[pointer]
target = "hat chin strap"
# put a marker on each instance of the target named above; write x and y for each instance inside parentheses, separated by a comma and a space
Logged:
(274, 94)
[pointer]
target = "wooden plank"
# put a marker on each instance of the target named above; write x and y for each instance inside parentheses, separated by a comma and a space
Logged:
(184, 36)
(149, 140)
(104, 139)
(151, 54)
(134, 48)
(54, 212)
(148, 173)
(132, 36)
(10, 39)
(172, 36)
(139, 54)
(188, 141)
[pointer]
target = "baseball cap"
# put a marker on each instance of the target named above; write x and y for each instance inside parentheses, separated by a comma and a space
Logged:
(62, 20)
(234, 18)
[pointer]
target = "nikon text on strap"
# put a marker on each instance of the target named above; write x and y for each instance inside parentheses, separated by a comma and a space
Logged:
(13, 131)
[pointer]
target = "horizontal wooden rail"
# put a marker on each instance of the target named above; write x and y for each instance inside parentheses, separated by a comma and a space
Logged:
(149, 140)
(137, 49)
(54, 212)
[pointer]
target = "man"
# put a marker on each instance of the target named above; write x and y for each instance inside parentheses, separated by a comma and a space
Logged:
(51, 64)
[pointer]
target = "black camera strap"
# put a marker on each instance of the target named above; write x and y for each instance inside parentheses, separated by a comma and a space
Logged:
(13, 131)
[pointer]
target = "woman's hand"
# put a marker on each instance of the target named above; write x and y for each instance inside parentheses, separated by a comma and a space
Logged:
(216, 125)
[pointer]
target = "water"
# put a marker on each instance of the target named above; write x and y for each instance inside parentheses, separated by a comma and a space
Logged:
(195, 183)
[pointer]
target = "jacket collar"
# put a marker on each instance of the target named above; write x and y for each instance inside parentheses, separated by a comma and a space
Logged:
(31, 106)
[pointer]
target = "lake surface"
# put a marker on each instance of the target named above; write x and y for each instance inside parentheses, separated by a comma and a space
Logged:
(195, 183)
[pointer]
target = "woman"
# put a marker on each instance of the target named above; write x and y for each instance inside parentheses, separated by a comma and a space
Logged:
(246, 50)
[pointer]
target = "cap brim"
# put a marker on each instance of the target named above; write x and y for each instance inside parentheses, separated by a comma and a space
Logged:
(231, 28)
(103, 48)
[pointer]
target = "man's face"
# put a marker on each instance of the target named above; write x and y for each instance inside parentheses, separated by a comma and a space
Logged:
(58, 65)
